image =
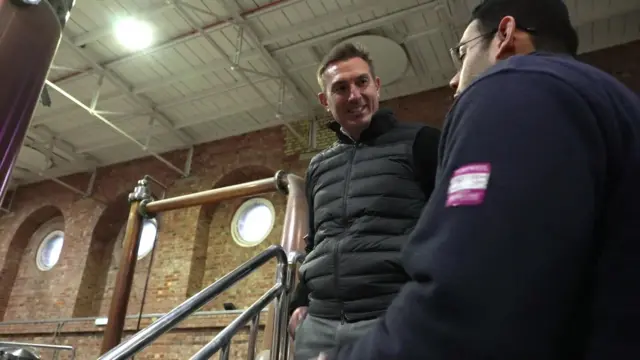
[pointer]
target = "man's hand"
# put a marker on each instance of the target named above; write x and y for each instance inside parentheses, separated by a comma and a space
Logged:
(296, 318)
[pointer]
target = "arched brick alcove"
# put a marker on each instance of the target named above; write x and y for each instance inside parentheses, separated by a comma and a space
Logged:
(103, 239)
(214, 252)
(27, 232)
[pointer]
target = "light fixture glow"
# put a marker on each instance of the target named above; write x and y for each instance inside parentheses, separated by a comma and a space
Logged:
(134, 34)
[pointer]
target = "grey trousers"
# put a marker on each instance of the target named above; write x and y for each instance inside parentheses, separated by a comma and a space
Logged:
(315, 335)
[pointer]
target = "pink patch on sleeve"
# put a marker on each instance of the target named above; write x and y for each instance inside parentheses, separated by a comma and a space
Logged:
(468, 185)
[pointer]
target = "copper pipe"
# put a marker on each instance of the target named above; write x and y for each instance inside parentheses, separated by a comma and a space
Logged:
(212, 196)
(120, 300)
(29, 38)
(296, 218)
(296, 226)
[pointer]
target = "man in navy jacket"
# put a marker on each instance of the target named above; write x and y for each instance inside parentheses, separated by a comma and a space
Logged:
(530, 245)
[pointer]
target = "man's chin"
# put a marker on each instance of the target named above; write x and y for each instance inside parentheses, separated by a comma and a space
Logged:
(361, 119)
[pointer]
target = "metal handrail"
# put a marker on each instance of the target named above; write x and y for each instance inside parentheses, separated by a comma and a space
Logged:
(167, 322)
(41, 346)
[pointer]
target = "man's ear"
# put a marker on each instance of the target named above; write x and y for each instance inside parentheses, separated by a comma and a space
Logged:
(506, 35)
(322, 97)
(377, 81)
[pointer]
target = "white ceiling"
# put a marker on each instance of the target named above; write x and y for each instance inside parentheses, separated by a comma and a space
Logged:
(182, 91)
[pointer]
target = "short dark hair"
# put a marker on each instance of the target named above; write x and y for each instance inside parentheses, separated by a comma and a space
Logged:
(344, 52)
(547, 21)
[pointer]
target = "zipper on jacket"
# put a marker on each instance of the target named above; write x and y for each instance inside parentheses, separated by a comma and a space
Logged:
(345, 222)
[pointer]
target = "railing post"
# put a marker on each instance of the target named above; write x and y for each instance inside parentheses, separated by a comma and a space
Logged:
(279, 313)
(296, 226)
(253, 337)
(120, 300)
(224, 353)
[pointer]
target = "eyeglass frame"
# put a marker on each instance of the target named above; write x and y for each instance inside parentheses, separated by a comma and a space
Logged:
(458, 58)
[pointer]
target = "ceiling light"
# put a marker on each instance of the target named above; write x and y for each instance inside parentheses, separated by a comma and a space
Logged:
(134, 34)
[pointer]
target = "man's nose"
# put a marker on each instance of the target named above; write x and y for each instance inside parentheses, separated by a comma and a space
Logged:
(455, 81)
(354, 93)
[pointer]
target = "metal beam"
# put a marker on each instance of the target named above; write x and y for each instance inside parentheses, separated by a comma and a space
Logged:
(184, 100)
(40, 173)
(155, 85)
(48, 136)
(126, 89)
(250, 32)
(115, 128)
(221, 114)
(189, 19)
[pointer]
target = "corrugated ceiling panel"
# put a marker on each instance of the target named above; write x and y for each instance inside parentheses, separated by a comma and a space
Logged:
(67, 58)
(200, 12)
(164, 94)
(140, 71)
(170, 24)
(188, 55)
(202, 49)
(192, 86)
(308, 77)
(169, 62)
(250, 4)
(101, 135)
(72, 120)
(206, 132)
(119, 105)
(586, 10)
(78, 23)
(91, 15)
(625, 28)
(300, 57)
(121, 153)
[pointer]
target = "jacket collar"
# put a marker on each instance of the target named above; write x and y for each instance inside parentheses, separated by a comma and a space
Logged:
(381, 122)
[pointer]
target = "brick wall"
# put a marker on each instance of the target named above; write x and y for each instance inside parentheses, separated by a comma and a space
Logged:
(194, 246)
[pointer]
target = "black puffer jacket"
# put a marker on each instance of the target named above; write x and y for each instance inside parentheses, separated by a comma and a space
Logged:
(365, 198)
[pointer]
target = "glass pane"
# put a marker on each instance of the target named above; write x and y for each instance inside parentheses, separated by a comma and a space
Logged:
(51, 251)
(255, 223)
(147, 238)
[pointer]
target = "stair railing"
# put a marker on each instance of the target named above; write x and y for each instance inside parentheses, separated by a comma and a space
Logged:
(279, 292)
(18, 345)
(144, 206)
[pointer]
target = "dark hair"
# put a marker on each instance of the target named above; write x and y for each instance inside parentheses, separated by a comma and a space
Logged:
(344, 52)
(547, 21)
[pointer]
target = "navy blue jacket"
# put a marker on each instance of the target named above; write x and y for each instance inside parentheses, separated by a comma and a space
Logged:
(530, 245)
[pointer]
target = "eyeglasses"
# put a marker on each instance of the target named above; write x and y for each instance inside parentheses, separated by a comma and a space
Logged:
(458, 57)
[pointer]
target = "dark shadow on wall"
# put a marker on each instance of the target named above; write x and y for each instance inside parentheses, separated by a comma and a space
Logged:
(16, 250)
(103, 239)
(201, 243)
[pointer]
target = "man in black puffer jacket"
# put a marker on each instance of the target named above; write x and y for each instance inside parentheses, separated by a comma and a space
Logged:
(365, 195)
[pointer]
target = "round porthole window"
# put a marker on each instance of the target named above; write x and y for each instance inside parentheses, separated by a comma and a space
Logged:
(49, 250)
(252, 222)
(148, 237)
